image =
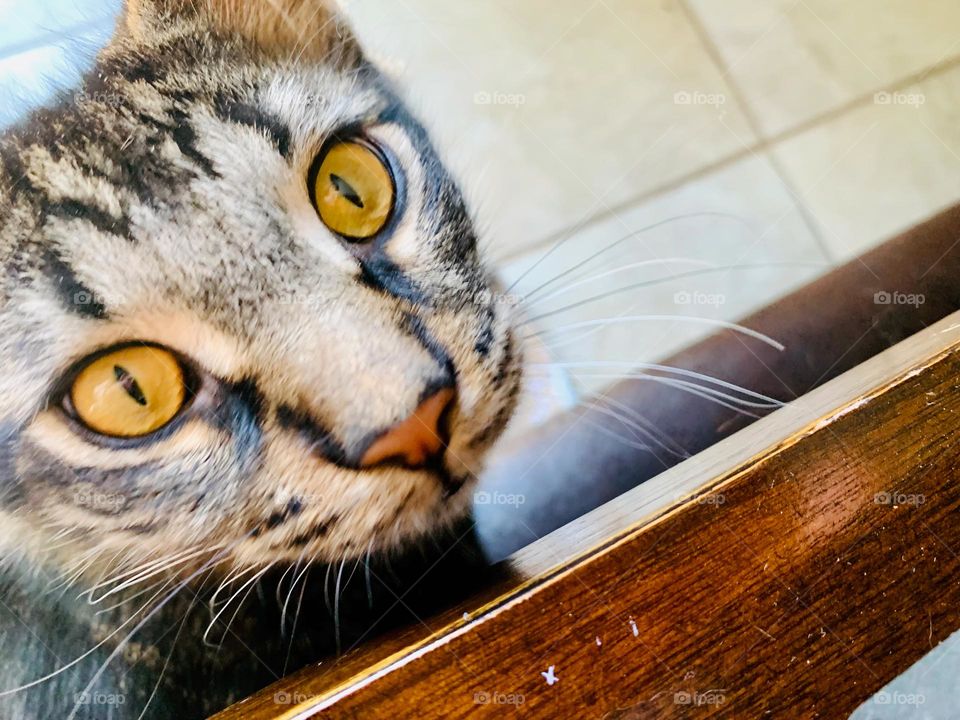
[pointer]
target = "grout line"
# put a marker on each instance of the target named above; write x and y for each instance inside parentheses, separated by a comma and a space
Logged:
(762, 145)
(739, 97)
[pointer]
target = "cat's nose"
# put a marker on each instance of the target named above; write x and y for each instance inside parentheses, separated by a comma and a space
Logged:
(416, 441)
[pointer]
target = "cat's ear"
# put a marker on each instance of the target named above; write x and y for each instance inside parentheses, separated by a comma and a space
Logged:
(292, 28)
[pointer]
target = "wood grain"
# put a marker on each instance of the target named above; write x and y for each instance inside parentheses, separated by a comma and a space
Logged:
(795, 583)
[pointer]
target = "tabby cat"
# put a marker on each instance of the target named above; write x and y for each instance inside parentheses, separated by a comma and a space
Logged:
(249, 350)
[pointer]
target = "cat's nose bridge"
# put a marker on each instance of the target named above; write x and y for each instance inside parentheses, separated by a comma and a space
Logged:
(417, 440)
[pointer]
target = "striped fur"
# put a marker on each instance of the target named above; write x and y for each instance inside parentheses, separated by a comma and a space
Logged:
(165, 201)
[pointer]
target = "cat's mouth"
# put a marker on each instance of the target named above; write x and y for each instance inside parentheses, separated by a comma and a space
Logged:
(452, 483)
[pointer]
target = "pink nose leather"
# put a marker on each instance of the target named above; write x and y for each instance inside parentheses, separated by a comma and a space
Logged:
(416, 440)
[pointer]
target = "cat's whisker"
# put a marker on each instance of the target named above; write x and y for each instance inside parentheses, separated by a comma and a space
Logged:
(574, 233)
(291, 568)
(256, 576)
(307, 42)
(637, 444)
(293, 585)
(668, 278)
(642, 438)
(528, 297)
(366, 575)
(109, 566)
(326, 589)
(240, 604)
(337, 593)
(145, 565)
(713, 392)
(104, 641)
(140, 593)
(336, 607)
(739, 405)
(605, 322)
(166, 664)
(296, 619)
(73, 572)
(231, 578)
(298, 49)
(140, 574)
(728, 401)
(63, 534)
(619, 412)
(209, 565)
(632, 367)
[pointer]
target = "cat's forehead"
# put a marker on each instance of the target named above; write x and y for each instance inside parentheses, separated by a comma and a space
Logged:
(160, 151)
(174, 185)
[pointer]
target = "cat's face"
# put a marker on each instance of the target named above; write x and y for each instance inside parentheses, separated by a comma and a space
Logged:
(229, 267)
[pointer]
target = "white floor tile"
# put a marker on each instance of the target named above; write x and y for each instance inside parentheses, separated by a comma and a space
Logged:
(554, 110)
(881, 168)
(795, 59)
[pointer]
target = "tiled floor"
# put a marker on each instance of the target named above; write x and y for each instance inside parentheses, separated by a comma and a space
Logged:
(823, 127)
(745, 146)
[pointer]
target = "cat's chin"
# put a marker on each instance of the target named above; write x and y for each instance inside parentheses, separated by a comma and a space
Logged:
(410, 506)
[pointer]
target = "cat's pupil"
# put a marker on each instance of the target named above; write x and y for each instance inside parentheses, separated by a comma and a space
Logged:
(346, 190)
(130, 384)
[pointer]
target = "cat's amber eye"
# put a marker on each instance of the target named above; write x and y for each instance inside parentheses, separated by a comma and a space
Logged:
(353, 189)
(130, 392)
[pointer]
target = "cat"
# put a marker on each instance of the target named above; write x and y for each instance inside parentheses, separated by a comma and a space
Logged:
(246, 333)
